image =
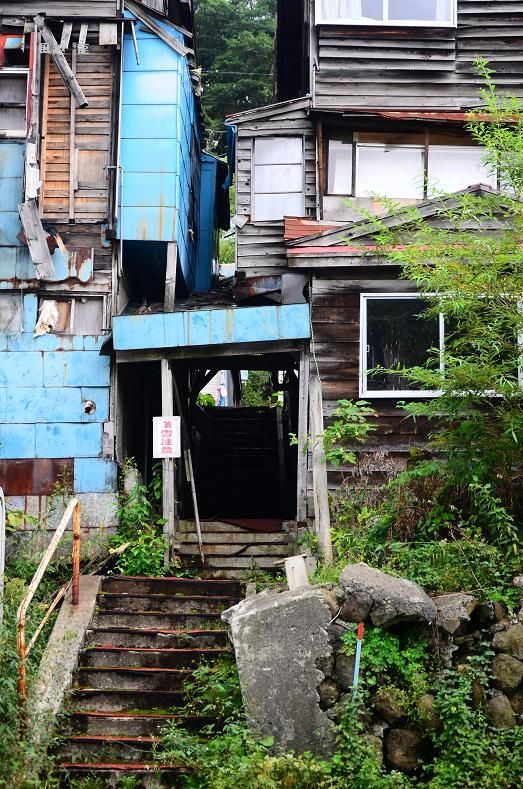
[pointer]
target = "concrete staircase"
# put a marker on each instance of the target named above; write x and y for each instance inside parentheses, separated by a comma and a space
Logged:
(146, 636)
(232, 551)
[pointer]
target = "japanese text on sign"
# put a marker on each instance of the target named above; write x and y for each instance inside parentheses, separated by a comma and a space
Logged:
(166, 437)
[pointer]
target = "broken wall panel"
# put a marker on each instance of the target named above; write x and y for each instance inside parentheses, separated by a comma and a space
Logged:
(34, 477)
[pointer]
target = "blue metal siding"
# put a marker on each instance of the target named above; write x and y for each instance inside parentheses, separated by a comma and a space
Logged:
(11, 175)
(158, 123)
(212, 327)
(206, 223)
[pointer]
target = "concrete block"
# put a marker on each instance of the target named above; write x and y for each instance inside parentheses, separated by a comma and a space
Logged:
(21, 369)
(60, 440)
(17, 441)
(76, 368)
(279, 639)
(43, 405)
(92, 475)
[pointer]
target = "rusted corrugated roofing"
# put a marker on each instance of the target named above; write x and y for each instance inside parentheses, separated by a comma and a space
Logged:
(298, 227)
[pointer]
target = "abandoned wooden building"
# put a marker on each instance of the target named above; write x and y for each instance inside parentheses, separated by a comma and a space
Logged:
(374, 99)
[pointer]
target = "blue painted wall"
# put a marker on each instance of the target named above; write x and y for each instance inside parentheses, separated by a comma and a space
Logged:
(206, 223)
(159, 125)
(44, 381)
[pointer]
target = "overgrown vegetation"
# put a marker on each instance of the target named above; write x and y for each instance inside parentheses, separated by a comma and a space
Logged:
(140, 523)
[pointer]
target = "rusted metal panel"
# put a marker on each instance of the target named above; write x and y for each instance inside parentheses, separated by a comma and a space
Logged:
(34, 477)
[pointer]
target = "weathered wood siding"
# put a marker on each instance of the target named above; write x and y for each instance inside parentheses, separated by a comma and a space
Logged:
(260, 244)
(74, 166)
(335, 349)
(420, 67)
(53, 8)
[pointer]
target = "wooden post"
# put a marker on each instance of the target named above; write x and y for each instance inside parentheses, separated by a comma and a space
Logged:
(319, 471)
(61, 63)
(76, 554)
(303, 423)
(168, 497)
(72, 144)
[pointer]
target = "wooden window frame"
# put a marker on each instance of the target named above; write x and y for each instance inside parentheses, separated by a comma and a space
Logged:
(385, 22)
(364, 390)
(73, 298)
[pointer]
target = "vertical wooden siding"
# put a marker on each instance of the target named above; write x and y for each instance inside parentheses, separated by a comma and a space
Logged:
(417, 67)
(81, 163)
(335, 349)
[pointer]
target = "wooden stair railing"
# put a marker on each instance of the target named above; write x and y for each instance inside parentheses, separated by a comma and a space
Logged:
(73, 510)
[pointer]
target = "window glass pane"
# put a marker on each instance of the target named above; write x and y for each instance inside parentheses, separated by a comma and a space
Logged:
(340, 167)
(12, 119)
(346, 10)
(13, 88)
(88, 316)
(278, 178)
(397, 336)
(451, 169)
(281, 150)
(423, 10)
(267, 207)
(391, 171)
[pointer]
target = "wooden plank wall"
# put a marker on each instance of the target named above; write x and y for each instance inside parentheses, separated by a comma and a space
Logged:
(85, 157)
(260, 244)
(335, 350)
(417, 68)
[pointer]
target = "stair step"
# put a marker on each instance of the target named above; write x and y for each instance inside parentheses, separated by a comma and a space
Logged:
(124, 700)
(156, 639)
(103, 656)
(130, 723)
(233, 538)
(148, 620)
(107, 748)
(164, 603)
(240, 562)
(266, 551)
(114, 678)
(217, 526)
(111, 774)
(172, 586)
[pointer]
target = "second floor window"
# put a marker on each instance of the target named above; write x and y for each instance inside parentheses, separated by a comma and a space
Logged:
(416, 13)
(401, 166)
(277, 178)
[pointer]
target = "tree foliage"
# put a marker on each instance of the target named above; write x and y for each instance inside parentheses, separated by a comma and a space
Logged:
(235, 47)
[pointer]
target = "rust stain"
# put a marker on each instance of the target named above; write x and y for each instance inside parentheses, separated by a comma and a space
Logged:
(33, 477)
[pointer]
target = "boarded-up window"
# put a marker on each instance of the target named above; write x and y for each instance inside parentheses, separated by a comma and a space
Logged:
(278, 180)
(13, 101)
(78, 315)
(434, 13)
(76, 155)
(395, 334)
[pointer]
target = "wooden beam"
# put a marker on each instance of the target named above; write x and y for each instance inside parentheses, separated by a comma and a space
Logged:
(108, 34)
(70, 81)
(67, 29)
(72, 145)
(36, 239)
(149, 22)
(303, 422)
(168, 466)
(319, 471)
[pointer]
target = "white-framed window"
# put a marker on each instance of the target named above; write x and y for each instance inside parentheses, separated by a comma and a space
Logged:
(390, 170)
(13, 101)
(278, 187)
(403, 166)
(394, 334)
(398, 13)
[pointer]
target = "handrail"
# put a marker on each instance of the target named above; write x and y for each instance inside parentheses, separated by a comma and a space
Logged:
(73, 509)
(2, 552)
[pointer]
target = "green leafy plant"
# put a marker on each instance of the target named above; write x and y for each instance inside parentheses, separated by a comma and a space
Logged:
(349, 428)
(213, 690)
(205, 400)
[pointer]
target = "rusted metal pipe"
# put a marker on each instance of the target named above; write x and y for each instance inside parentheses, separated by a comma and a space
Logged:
(76, 554)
